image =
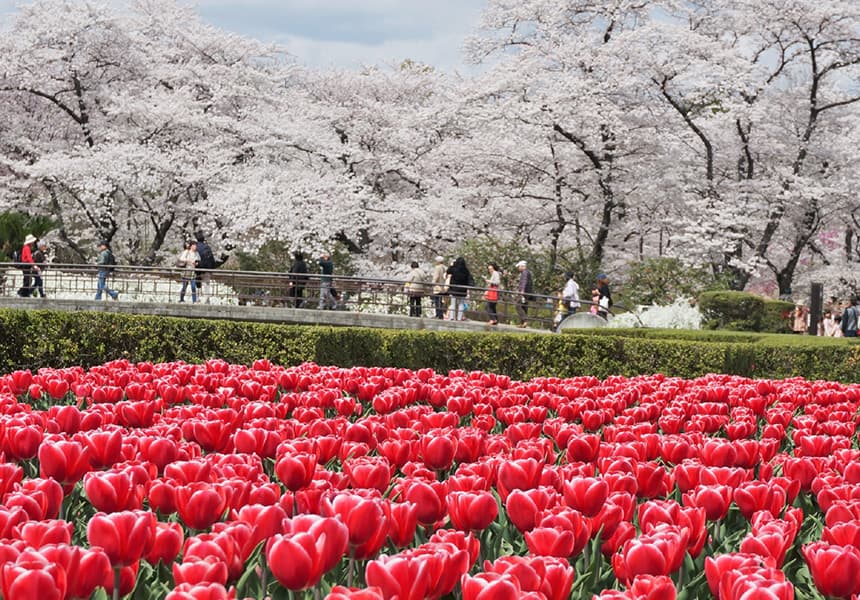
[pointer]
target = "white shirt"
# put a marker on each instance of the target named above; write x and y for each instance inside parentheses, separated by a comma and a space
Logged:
(571, 290)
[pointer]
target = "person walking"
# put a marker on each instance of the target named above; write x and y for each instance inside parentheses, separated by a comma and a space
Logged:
(27, 265)
(461, 280)
(415, 288)
(439, 288)
(850, 318)
(40, 258)
(525, 289)
(327, 299)
(494, 281)
(105, 262)
(298, 279)
(207, 262)
(604, 298)
(188, 261)
(570, 294)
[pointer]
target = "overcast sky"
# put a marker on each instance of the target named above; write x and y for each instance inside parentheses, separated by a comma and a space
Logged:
(349, 33)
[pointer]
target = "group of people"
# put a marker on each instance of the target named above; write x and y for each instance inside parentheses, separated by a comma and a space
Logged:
(33, 259)
(837, 319)
(451, 284)
(299, 275)
(195, 261)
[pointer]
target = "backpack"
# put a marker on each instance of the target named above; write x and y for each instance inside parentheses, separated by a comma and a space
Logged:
(110, 262)
(207, 259)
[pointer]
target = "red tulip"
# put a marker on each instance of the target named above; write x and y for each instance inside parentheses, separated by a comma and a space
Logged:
(524, 506)
(552, 577)
(472, 511)
(105, 447)
(64, 461)
(195, 570)
(22, 441)
(201, 504)
(714, 499)
(368, 472)
(166, 543)
(41, 533)
(523, 474)
(366, 518)
(586, 494)
(490, 586)
(718, 566)
(340, 592)
(437, 450)
(314, 545)
(429, 498)
(201, 591)
(835, 569)
(113, 491)
(85, 570)
(296, 470)
(659, 552)
(124, 536)
(32, 576)
(404, 522)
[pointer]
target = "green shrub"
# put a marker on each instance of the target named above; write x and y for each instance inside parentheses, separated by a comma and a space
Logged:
(776, 317)
(40, 338)
(737, 311)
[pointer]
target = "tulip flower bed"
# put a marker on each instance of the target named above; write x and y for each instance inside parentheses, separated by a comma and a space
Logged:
(223, 481)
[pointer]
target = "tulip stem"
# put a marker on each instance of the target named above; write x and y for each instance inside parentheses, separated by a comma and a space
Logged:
(350, 573)
(116, 581)
(263, 576)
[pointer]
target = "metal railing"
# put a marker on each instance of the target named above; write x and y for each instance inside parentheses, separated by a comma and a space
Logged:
(287, 290)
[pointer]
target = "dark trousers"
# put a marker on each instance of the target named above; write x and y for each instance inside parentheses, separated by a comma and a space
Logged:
(523, 309)
(297, 293)
(439, 305)
(415, 306)
(491, 311)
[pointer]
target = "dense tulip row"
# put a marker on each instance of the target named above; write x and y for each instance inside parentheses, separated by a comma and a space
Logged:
(223, 481)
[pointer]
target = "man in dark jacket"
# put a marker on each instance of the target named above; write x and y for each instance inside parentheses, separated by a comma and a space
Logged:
(525, 289)
(206, 264)
(850, 318)
(298, 280)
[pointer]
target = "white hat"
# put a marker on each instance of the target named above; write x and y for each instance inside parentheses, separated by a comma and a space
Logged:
(30, 239)
(522, 263)
(440, 259)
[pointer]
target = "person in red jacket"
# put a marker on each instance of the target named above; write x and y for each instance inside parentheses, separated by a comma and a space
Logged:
(27, 265)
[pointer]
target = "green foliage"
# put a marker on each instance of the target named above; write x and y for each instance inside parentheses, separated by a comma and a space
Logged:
(34, 339)
(660, 281)
(14, 227)
(276, 256)
(777, 317)
(737, 311)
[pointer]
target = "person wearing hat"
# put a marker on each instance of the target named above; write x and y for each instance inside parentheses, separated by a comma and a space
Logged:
(105, 262)
(40, 257)
(438, 278)
(525, 290)
(27, 265)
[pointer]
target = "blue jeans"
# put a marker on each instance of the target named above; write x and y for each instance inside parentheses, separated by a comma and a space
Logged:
(102, 287)
(185, 283)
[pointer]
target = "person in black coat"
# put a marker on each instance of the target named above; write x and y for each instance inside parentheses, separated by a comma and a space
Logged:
(460, 280)
(298, 280)
(604, 302)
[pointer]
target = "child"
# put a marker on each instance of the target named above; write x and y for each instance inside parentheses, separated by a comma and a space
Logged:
(560, 309)
(595, 301)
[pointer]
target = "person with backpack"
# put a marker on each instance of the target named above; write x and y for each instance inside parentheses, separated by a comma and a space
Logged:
(203, 275)
(106, 264)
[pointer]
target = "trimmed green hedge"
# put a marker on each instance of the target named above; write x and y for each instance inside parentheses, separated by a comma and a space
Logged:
(33, 339)
(742, 311)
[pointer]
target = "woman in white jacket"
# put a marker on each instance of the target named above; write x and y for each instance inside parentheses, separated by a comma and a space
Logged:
(570, 294)
(188, 261)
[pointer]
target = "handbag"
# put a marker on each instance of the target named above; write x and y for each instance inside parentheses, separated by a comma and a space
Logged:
(492, 295)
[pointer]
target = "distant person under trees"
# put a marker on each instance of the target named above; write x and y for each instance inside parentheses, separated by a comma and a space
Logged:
(298, 279)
